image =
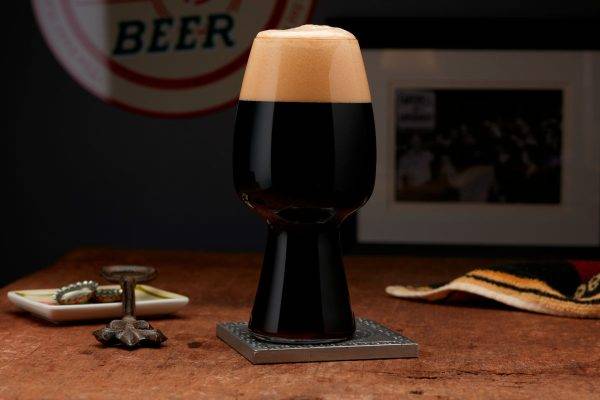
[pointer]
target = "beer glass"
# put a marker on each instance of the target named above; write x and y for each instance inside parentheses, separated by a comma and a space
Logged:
(304, 160)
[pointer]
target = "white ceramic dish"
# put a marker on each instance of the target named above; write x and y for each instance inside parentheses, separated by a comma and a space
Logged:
(149, 301)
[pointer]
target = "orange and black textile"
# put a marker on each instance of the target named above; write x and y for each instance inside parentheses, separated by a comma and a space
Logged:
(570, 289)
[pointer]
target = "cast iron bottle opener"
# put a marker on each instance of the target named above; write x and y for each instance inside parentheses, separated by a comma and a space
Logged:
(128, 330)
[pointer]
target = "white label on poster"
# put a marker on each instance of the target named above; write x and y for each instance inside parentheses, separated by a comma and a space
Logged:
(167, 58)
(415, 109)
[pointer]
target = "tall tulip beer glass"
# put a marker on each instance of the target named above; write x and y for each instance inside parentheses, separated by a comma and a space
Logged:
(304, 160)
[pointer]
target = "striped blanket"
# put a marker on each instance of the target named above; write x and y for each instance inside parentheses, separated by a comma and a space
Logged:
(570, 289)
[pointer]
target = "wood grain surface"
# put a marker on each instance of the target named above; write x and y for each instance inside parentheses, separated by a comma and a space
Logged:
(467, 352)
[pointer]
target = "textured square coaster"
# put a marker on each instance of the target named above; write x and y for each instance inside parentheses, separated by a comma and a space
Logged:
(371, 341)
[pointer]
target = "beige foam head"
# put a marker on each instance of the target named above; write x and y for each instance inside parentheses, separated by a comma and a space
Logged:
(310, 63)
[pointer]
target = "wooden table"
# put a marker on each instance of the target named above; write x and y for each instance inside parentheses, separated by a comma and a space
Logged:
(466, 352)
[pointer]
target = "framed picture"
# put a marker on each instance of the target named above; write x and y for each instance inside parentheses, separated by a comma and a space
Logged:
(482, 146)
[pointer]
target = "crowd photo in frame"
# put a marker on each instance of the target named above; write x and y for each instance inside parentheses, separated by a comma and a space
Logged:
(478, 145)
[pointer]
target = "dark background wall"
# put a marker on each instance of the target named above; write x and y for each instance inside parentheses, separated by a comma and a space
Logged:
(84, 173)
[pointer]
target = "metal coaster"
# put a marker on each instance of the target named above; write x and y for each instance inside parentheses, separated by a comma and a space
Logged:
(371, 341)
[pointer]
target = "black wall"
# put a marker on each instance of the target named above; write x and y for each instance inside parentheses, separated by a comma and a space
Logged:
(82, 173)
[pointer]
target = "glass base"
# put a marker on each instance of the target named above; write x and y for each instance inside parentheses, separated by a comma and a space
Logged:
(274, 339)
(302, 295)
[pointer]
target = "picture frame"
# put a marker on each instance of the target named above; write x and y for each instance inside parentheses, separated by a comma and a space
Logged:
(460, 66)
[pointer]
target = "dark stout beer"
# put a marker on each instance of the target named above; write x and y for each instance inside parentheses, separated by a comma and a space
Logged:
(304, 159)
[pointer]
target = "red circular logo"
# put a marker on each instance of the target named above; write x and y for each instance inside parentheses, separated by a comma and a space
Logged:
(163, 58)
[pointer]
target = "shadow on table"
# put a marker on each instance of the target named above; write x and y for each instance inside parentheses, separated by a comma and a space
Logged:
(475, 302)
